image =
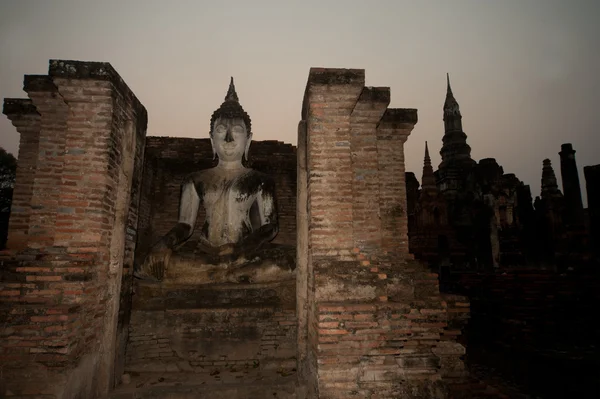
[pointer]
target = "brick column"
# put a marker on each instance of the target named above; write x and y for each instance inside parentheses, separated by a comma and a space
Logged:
(331, 95)
(24, 116)
(82, 199)
(392, 132)
(63, 293)
(87, 199)
(375, 317)
(366, 221)
(47, 180)
(106, 131)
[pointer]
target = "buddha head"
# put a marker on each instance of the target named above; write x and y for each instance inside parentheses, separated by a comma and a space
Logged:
(230, 129)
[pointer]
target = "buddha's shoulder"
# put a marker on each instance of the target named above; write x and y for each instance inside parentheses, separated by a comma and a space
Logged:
(258, 175)
(254, 179)
(199, 176)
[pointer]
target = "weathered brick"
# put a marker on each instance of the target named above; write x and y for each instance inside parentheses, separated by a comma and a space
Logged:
(356, 190)
(69, 144)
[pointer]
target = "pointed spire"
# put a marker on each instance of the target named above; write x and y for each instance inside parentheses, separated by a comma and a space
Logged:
(427, 180)
(455, 147)
(231, 94)
(549, 183)
(451, 107)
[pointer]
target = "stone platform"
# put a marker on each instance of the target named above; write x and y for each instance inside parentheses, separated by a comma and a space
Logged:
(177, 328)
(214, 383)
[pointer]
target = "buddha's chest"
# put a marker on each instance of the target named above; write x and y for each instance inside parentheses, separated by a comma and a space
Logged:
(230, 197)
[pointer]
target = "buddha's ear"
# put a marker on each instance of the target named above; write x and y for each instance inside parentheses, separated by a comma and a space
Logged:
(212, 145)
(248, 146)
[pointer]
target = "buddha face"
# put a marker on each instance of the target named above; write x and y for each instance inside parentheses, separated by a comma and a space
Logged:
(230, 139)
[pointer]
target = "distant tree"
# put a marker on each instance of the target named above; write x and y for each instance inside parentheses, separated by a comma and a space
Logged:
(8, 169)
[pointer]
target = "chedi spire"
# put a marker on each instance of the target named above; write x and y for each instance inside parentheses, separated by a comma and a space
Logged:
(455, 149)
(428, 179)
(549, 183)
(451, 107)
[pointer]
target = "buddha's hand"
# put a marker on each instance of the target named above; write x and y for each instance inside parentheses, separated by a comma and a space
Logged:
(226, 249)
(259, 237)
(155, 264)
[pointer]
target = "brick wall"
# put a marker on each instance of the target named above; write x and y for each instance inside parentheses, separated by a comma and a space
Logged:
(366, 220)
(376, 324)
(169, 160)
(327, 107)
(71, 242)
(403, 342)
(392, 132)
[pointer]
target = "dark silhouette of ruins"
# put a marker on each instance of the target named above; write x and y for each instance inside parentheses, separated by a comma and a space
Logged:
(470, 215)
(529, 268)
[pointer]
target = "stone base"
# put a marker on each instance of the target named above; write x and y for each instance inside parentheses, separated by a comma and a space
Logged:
(167, 295)
(177, 328)
(238, 383)
(400, 344)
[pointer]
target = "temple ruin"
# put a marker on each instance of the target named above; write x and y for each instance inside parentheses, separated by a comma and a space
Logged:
(112, 286)
(360, 318)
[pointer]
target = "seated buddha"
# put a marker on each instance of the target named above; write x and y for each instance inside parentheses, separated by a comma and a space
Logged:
(241, 214)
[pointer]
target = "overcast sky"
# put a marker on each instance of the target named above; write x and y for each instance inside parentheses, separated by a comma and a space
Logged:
(526, 73)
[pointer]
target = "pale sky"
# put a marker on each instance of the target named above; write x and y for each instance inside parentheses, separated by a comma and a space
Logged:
(526, 73)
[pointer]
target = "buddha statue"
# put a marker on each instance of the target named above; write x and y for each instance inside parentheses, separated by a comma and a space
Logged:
(241, 211)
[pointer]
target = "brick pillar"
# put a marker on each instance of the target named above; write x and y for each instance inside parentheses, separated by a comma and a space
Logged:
(331, 95)
(62, 295)
(47, 179)
(88, 144)
(392, 132)
(366, 221)
(105, 127)
(375, 317)
(330, 98)
(24, 116)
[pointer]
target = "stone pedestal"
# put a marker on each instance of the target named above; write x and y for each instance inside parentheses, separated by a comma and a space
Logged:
(188, 328)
